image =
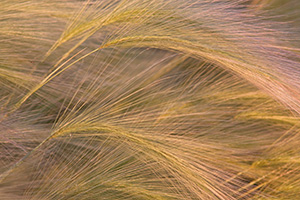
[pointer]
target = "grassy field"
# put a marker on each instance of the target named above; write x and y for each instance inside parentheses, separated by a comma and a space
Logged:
(150, 99)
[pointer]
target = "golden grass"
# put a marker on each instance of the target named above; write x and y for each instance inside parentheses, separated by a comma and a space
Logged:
(149, 99)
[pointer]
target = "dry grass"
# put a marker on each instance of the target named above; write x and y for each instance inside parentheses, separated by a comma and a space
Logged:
(149, 99)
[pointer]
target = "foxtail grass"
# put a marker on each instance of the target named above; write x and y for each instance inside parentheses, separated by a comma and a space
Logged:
(149, 99)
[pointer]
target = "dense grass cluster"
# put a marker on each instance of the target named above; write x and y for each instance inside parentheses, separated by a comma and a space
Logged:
(149, 99)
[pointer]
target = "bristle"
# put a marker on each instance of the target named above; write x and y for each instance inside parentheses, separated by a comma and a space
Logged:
(149, 99)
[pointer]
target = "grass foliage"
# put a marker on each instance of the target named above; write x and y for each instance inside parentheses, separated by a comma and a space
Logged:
(149, 99)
